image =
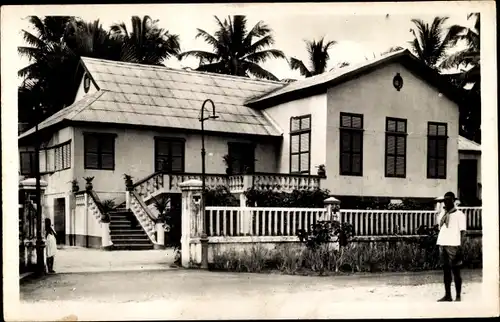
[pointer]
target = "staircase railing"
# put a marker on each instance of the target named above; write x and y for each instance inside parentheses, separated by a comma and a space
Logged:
(143, 214)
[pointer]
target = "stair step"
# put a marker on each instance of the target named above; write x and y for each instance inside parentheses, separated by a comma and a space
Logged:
(130, 241)
(132, 247)
(126, 231)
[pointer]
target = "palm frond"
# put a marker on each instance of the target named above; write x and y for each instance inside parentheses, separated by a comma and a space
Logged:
(200, 54)
(33, 40)
(265, 41)
(257, 71)
(262, 56)
(298, 64)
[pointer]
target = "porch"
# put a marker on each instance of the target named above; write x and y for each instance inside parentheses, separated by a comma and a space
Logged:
(162, 182)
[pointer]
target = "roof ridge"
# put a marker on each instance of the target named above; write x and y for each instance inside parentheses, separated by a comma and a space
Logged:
(246, 79)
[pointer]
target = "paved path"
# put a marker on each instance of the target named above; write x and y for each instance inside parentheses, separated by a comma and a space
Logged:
(187, 294)
(82, 260)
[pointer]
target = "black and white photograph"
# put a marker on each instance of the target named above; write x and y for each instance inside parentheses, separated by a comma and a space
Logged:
(248, 161)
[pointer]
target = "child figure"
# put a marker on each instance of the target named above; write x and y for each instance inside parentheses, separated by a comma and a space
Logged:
(51, 247)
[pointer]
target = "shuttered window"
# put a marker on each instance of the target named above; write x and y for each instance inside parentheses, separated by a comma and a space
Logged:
(242, 157)
(437, 145)
(395, 147)
(62, 157)
(99, 151)
(300, 144)
(27, 160)
(169, 155)
(351, 144)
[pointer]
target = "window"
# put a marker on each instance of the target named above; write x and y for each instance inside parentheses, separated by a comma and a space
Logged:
(300, 144)
(99, 151)
(242, 155)
(62, 156)
(169, 154)
(351, 144)
(27, 160)
(437, 145)
(51, 159)
(395, 147)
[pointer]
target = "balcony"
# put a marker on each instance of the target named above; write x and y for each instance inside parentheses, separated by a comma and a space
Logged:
(160, 182)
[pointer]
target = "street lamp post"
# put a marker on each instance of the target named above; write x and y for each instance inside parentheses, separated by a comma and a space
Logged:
(40, 245)
(204, 238)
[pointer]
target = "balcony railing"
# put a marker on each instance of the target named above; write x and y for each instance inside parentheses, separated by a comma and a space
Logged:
(169, 182)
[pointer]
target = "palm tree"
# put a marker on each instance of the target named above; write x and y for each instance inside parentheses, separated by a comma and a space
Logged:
(146, 43)
(318, 58)
(236, 51)
(468, 58)
(430, 42)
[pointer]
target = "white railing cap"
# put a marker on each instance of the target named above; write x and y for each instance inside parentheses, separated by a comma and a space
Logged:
(191, 183)
(332, 200)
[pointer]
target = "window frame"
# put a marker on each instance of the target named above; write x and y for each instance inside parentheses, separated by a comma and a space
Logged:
(158, 139)
(396, 134)
(251, 145)
(99, 136)
(437, 138)
(298, 133)
(31, 163)
(350, 131)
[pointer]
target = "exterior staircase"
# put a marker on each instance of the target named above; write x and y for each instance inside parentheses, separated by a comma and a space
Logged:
(126, 232)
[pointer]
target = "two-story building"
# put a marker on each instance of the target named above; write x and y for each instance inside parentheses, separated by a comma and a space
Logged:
(387, 128)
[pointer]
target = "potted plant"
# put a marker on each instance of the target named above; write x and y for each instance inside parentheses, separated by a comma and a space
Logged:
(321, 170)
(74, 186)
(228, 160)
(88, 183)
(162, 205)
(128, 182)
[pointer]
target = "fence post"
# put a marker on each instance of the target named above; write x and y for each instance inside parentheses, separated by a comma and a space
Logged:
(192, 221)
(332, 205)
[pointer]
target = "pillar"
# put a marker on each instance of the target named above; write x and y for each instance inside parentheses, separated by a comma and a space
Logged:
(192, 222)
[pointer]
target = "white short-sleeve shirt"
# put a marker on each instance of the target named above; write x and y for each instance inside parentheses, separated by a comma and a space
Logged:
(450, 236)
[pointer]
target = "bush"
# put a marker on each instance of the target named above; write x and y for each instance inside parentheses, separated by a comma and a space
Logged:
(297, 198)
(396, 256)
(220, 196)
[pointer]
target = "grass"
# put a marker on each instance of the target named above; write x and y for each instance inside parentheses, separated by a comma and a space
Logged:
(356, 257)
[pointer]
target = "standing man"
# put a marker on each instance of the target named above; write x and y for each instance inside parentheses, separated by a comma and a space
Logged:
(452, 227)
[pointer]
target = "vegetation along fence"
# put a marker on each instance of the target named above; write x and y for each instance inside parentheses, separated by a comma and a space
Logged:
(268, 221)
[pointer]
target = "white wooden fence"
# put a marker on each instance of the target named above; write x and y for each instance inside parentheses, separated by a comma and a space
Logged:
(267, 221)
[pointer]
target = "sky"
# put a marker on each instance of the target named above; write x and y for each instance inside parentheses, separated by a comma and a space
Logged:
(358, 36)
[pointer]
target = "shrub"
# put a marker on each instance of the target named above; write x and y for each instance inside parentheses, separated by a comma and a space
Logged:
(297, 198)
(220, 196)
(398, 256)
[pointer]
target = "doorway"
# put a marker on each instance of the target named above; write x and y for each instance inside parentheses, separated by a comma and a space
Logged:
(60, 220)
(467, 181)
(242, 156)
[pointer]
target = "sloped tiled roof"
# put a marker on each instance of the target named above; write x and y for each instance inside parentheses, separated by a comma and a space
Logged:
(302, 87)
(159, 96)
(465, 144)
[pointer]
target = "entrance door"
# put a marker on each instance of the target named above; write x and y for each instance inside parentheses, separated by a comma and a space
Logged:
(242, 156)
(60, 220)
(467, 180)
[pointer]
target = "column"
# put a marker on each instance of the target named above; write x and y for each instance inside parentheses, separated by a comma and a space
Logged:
(192, 222)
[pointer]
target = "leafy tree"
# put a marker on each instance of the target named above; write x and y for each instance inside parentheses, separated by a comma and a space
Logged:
(318, 58)
(235, 50)
(146, 43)
(431, 42)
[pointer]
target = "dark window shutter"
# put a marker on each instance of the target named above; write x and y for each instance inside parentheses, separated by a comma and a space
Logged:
(295, 126)
(400, 145)
(304, 142)
(400, 166)
(345, 162)
(107, 161)
(441, 148)
(356, 142)
(356, 163)
(391, 144)
(390, 165)
(346, 141)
